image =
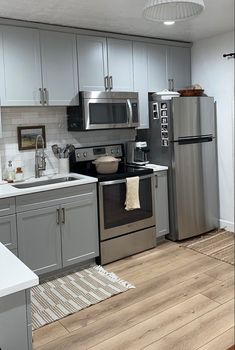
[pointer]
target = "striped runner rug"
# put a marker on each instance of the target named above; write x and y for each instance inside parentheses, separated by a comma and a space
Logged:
(218, 245)
(55, 299)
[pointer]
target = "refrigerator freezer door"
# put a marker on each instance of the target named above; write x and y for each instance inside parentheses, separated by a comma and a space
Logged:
(195, 188)
(193, 116)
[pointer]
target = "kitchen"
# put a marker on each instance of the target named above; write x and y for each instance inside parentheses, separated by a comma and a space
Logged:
(43, 65)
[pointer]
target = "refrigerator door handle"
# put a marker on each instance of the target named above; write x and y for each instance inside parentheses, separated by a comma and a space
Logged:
(191, 140)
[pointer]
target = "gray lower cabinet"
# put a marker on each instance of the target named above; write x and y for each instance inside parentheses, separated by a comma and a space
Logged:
(59, 231)
(39, 240)
(15, 328)
(8, 234)
(79, 231)
(161, 204)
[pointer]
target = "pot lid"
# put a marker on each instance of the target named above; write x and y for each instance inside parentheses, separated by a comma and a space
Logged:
(106, 159)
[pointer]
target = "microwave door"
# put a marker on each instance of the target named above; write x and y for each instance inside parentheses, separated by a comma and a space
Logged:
(105, 114)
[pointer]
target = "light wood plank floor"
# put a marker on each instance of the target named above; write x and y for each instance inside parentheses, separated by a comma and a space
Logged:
(183, 300)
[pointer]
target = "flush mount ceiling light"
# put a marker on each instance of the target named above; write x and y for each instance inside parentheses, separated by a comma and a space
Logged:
(172, 10)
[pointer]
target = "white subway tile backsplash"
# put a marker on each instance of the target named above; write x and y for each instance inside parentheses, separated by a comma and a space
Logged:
(55, 121)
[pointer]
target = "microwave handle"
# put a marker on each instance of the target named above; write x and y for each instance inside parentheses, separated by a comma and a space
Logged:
(130, 111)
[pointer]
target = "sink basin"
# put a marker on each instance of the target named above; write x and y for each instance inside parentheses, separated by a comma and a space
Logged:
(46, 182)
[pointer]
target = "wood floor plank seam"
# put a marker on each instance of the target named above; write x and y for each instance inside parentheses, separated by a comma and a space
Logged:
(191, 322)
(146, 301)
(176, 329)
(214, 339)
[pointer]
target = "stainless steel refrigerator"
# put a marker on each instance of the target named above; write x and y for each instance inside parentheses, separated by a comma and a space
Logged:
(182, 135)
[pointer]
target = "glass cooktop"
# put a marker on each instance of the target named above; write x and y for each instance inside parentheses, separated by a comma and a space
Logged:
(124, 171)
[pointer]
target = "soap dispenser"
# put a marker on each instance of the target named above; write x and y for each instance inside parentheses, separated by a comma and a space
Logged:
(9, 175)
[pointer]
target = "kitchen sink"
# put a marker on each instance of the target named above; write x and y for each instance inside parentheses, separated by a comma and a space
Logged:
(46, 182)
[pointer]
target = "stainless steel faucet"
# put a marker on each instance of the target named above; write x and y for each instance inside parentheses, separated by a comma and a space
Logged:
(40, 163)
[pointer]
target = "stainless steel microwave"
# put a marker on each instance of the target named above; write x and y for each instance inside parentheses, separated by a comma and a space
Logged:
(104, 110)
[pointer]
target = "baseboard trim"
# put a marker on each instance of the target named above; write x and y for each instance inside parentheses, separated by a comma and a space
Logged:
(227, 225)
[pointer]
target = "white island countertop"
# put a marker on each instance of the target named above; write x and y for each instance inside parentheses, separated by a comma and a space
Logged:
(8, 190)
(14, 274)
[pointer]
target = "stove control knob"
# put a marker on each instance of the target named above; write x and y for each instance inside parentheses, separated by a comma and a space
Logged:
(112, 151)
(118, 151)
(84, 154)
(78, 155)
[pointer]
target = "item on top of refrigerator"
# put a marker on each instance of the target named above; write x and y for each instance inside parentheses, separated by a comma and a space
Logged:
(194, 90)
(166, 94)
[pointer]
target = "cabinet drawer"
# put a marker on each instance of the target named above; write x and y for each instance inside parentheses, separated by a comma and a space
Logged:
(7, 206)
(8, 231)
(52, 198)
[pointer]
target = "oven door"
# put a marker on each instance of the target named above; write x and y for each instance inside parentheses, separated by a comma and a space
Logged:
(114, 219)
(110, 113)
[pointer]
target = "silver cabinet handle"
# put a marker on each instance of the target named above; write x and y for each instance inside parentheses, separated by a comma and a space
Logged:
(106, 82)
(41, 96)
(111, 82)
(156, 183)
(45, 96)
(63, 216)
(58, 216)
(171, 86)
(130, 111)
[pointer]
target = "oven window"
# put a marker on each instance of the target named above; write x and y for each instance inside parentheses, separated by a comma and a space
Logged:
(108, 113)
(114, 204)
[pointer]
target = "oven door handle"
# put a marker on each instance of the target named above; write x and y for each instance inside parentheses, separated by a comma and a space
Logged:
(116, 182)
(130, 112)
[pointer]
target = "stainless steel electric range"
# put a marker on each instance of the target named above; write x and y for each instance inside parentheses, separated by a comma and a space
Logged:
(121, 232)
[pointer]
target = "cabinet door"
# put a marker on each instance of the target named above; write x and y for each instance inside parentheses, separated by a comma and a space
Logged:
(140, 66)
(120, 63)
(179, 66)
(161, 204)
(157, 79)
(39, 239)
(13, 322)
(21, 71)
(8, 231)
(92, 63)
(59, 68)
(79, 230)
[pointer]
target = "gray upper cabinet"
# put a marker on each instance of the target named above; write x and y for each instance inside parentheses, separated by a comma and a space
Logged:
(59, 68)
(38, 67)
(39, 240)
(79, 230)
(20, 67)
(104, 64)
(140, 67)
(157, 73)
(179, 66)
(120, 62)
(92, 59)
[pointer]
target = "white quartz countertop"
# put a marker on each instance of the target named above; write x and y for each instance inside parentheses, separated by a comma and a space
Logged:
(14, 274)
(8, 190)
(156, 167)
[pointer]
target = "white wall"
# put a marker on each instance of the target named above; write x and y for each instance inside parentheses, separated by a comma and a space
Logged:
(216, 75)
(54, 119)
